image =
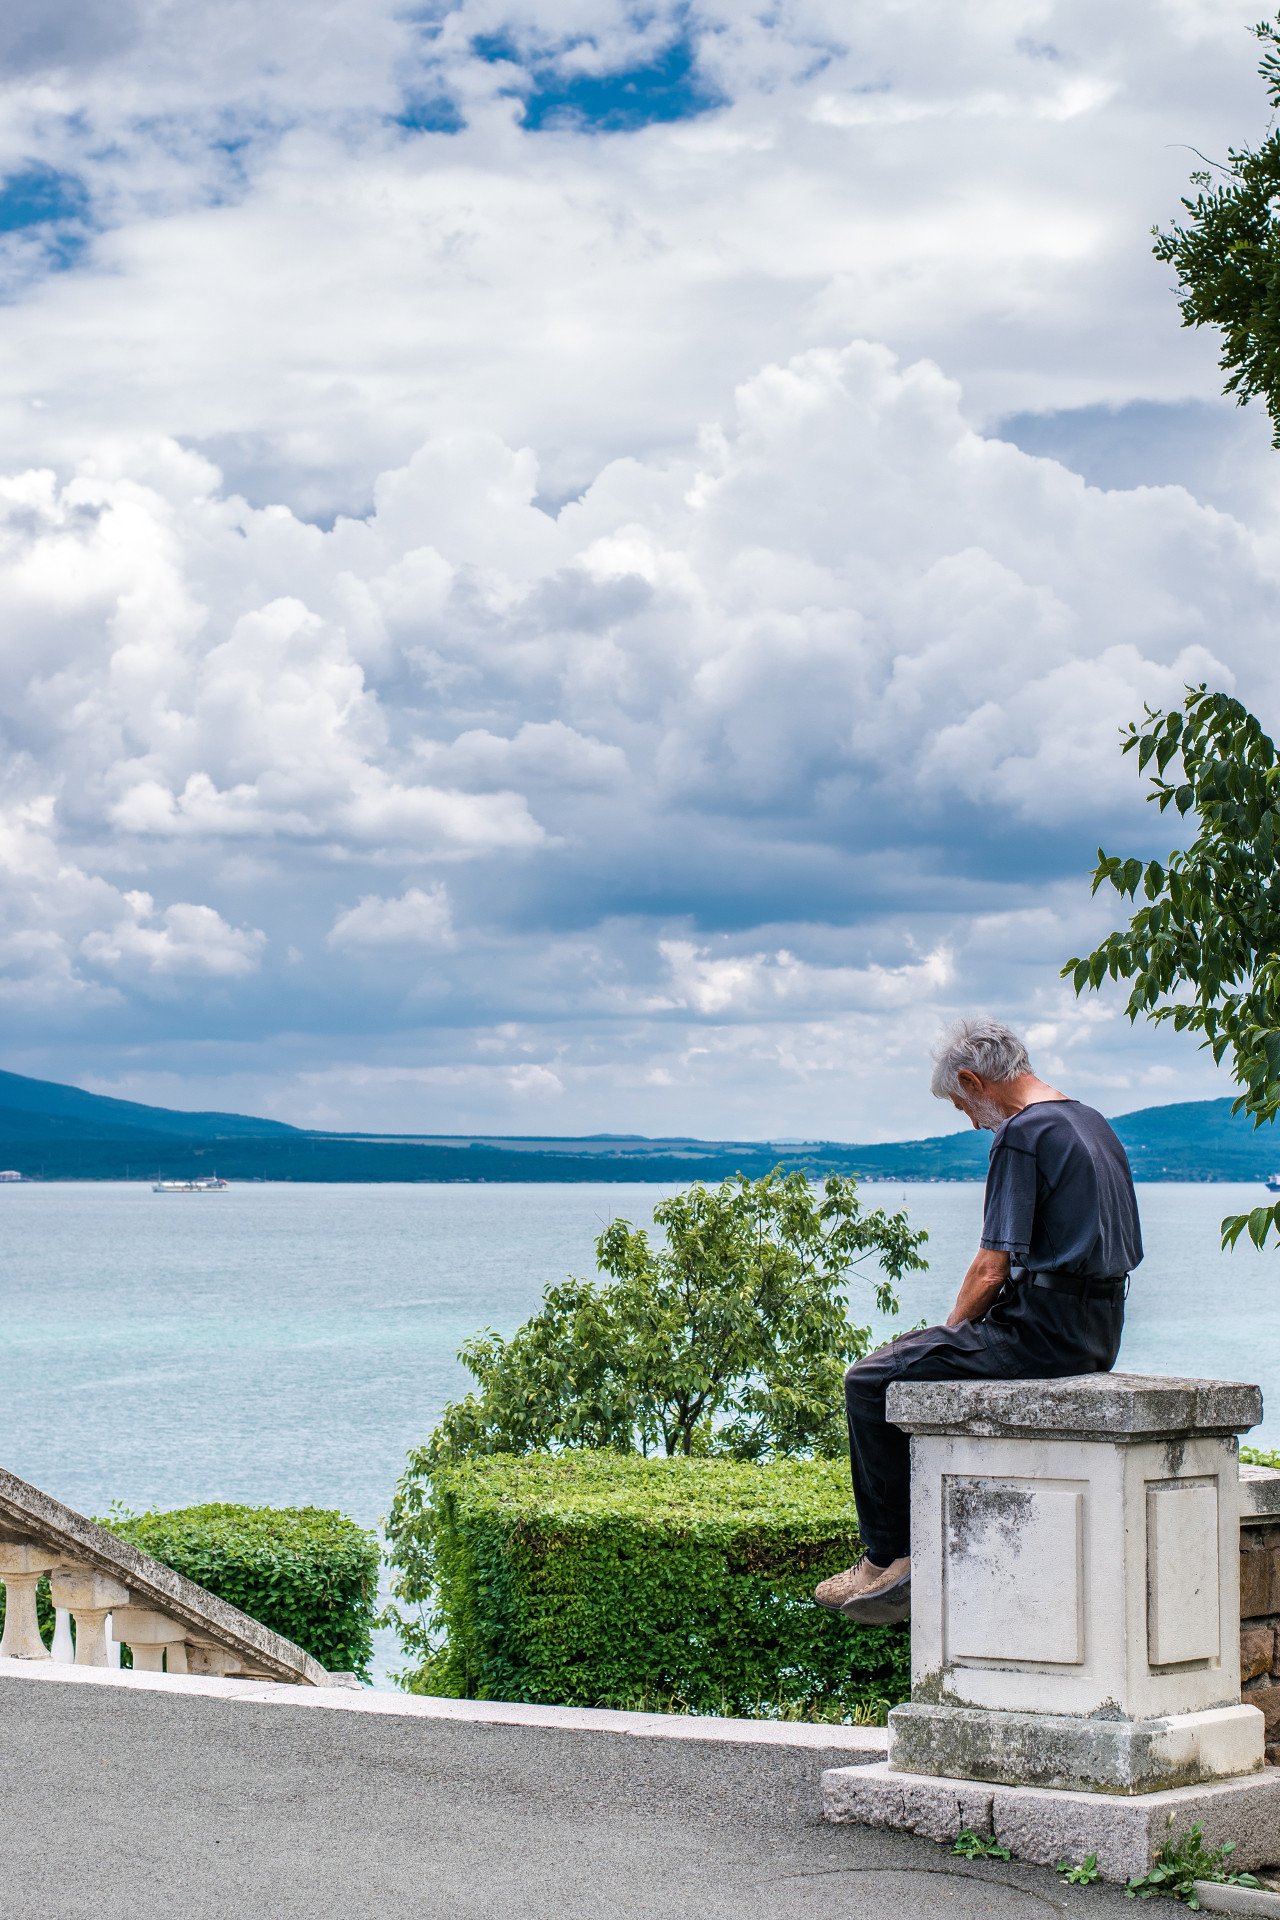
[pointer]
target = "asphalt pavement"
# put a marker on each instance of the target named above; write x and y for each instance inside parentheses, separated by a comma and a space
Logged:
(124, 1805)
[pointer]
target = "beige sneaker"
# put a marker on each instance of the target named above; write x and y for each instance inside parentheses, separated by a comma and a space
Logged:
(873, 1596)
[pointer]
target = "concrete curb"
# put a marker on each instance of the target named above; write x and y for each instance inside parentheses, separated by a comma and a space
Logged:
(1219, 1899)
(863, 1745)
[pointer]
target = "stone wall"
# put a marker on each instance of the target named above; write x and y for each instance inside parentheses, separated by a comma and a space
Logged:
(1260, 1598)
(1260, 1625)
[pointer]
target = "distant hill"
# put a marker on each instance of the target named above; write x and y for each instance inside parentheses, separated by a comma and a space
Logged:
(43, 1109)
(54, 1132)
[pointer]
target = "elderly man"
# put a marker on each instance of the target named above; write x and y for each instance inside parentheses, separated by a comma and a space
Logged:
(1043, 1297)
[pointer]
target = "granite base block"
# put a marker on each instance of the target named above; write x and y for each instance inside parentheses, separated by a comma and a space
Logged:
(1080, 1752)
(1044, 1825)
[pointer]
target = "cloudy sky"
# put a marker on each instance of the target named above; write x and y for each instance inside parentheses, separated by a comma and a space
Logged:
(577, 567)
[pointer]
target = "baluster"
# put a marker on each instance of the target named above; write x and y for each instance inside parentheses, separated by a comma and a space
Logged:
(23, 1564)
(90, 1597)
(204, 1657)
(63, 1649)
(150, 1636)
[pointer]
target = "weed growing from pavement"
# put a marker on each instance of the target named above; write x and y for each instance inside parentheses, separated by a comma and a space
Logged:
(1180, 1863)
(1082, 1876)
(979, 1846)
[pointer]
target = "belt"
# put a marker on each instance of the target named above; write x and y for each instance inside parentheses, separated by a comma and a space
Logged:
(1078, 1285)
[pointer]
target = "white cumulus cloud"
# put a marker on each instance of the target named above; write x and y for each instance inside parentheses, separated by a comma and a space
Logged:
(618, 524)
(419, 917)
(183, 939)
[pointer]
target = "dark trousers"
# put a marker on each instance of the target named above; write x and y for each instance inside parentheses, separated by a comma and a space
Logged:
(1069, 1336)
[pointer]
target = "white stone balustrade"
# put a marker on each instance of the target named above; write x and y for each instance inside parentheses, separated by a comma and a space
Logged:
(116, 1595)
(105, 1616)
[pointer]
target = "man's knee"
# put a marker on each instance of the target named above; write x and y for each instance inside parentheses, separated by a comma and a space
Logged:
(868, 1379)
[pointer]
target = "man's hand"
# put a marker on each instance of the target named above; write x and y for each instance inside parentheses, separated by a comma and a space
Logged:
(987, 1274)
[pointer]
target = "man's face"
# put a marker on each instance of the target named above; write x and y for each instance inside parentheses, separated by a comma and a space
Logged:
(977, 1106)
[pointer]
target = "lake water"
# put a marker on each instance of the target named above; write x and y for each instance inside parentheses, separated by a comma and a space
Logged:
(286, 1345)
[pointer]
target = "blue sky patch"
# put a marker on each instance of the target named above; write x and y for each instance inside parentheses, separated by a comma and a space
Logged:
(430, 113)
(39, 196)
(1218, 451)
(48, 207)
(668, 87)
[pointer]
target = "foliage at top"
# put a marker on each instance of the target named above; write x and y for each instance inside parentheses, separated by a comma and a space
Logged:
(1204, 951)
(1226, 254)
(729, 1336)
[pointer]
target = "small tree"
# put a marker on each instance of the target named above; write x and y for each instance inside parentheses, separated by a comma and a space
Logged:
(1205, 951)
(729, 1337)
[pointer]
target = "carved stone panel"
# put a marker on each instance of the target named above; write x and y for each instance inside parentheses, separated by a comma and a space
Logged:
(1183, 1619)
(1012, 1570)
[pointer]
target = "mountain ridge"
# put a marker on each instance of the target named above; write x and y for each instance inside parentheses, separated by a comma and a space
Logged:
(52, 1131)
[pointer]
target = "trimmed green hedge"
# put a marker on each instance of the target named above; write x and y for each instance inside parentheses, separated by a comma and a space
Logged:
(605, 1579)
(305, 1572)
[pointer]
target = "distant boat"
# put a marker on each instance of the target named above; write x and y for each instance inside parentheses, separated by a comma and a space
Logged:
(1273, 1182)
(10, 1173)
(209, 1184)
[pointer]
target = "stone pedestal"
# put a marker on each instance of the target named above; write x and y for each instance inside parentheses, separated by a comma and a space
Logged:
(1075, 1633)
(1075, 1583)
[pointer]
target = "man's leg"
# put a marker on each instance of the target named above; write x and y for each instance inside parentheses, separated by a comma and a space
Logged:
(880, 1459)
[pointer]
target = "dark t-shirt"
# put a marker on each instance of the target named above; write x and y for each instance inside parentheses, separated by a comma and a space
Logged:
(1060, 1195)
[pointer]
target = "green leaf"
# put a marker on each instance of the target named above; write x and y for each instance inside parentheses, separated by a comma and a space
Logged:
(1231, 1229)
(1261, 1221)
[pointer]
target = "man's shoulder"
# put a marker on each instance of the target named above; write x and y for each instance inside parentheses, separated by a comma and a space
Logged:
(1065, 1117)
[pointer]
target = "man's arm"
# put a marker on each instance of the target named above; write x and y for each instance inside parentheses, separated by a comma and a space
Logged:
(987, 1273)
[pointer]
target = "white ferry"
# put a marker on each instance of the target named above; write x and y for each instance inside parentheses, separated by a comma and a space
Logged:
(1273, 1182)
(210, 1183)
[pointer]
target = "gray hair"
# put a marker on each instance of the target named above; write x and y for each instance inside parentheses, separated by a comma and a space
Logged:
(985, 1047)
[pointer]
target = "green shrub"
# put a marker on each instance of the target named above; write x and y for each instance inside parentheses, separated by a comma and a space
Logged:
(305, 1572)
(606, 1579)
(1259, 1457)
